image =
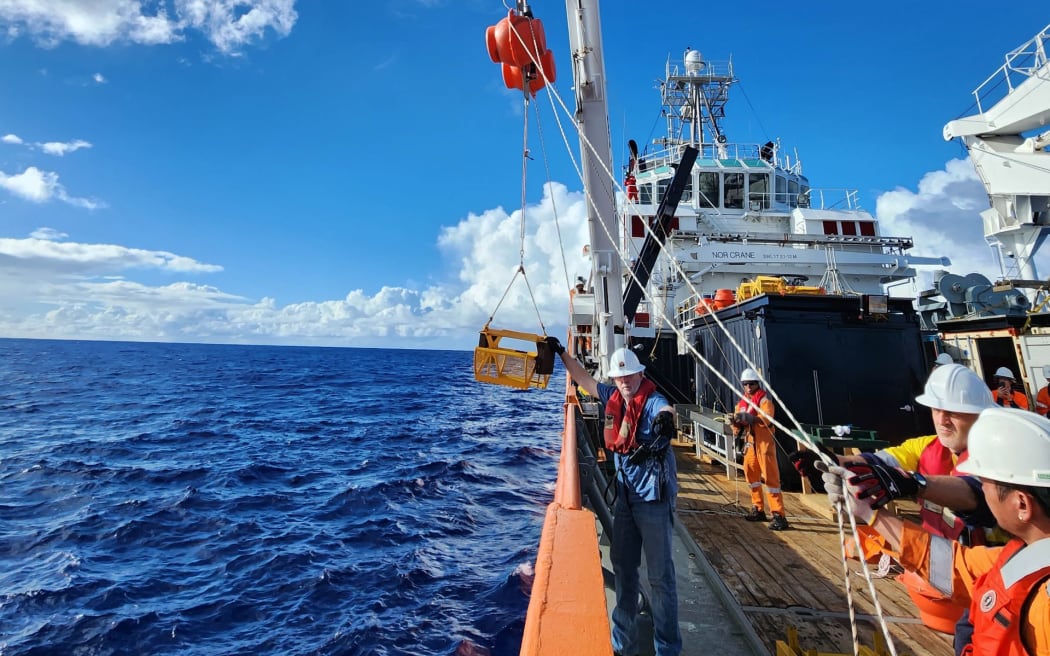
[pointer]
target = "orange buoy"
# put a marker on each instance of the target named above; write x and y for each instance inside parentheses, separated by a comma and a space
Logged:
(519, 40)
(724, 298)
(520, 45)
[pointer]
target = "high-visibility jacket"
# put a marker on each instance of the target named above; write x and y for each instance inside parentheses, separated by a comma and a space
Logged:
(1000, 598)
(1042, 400)
(1017, 399)
(1008, 588)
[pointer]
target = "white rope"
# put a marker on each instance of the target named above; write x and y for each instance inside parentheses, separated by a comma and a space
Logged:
(800, 436)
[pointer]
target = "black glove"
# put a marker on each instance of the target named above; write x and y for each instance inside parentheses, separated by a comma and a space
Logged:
(881, 482)
(555, 345)
(804, 460)
(663, 425)
(651, 450)
(639, 455)
(744, 418)
(805, 464)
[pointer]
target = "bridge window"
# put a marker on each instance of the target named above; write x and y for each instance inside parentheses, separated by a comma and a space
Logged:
(867, 228)
(661, 189)
(758, 191)
(782, 190)
(708, 189)
(645, 193)
(734, 190)
(793, 193)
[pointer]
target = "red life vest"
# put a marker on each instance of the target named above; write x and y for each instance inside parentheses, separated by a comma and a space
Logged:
(751, 405)
(936, 460)
(621, 423)
(1000, 596)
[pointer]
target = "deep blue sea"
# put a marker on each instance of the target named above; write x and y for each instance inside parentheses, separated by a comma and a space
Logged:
(201, 499)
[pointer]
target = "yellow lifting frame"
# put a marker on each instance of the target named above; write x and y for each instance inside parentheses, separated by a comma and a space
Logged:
(515, 368)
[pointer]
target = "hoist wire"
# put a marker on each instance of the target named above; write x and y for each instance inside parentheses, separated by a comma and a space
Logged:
(798, 434)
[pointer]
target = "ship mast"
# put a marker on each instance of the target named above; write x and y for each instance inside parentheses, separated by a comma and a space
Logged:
(1015, 169)
(592, 119)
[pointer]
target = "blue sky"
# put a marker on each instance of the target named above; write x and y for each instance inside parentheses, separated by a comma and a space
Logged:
(348, 173)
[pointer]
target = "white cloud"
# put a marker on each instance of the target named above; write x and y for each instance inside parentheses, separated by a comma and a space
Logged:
(48, 233)
(228, 25)
(61, 148)
(41, 186)
(11, 139)
(943, 217)
(51, 288)
(99, 78)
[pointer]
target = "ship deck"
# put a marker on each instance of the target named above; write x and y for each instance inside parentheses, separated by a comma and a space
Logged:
(792, 578)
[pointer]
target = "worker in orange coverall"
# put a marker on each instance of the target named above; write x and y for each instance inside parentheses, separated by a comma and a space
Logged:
(753, 421)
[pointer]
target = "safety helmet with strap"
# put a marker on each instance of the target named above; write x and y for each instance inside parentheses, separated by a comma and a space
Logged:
(749, 375)
(1009, 445)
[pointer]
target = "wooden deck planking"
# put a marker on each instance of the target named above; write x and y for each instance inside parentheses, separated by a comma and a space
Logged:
(794, 577)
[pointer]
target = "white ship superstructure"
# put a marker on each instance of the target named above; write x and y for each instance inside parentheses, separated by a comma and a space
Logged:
(747, 210)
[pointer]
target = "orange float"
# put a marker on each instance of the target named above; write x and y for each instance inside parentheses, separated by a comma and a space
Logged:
(518, 43)
(724, 298)
(516, 40)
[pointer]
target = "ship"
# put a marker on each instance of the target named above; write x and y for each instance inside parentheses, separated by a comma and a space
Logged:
(710, 256)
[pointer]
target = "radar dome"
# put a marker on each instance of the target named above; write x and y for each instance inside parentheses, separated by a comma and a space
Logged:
(694, 62)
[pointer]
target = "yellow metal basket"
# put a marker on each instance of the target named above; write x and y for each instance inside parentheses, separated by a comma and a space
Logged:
(494, 363)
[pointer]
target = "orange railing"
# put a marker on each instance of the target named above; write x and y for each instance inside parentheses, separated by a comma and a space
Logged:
(567, 612)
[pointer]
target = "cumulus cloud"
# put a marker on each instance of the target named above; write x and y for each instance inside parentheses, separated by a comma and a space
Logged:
(230, 26)
(99, 78)
(11, 139)
(62, 289)
(39, 186)
(60, 149)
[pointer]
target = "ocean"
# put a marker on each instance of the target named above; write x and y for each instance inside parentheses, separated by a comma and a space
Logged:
(205, 499)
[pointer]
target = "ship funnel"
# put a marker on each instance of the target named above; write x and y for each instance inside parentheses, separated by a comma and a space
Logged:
(694, 62)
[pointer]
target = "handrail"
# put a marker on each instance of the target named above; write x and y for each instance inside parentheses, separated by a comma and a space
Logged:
(1024, 61)
(567, 608)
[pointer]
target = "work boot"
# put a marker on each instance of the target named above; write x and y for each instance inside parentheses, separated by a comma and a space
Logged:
(779, 523)
(756, 515)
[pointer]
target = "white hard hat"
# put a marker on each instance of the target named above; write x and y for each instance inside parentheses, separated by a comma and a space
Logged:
(749, 375)
(944, 358)
(955, 388)
(1003, 372)
(1009, 445)
(624, 363)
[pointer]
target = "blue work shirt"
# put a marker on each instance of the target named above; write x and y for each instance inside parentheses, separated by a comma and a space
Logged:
(654, 479)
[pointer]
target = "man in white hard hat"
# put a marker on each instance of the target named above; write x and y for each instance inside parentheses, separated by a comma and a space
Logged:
(926, 467)
(753, 420)
(639, 425)
(1005, 394)
(1006, 587)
